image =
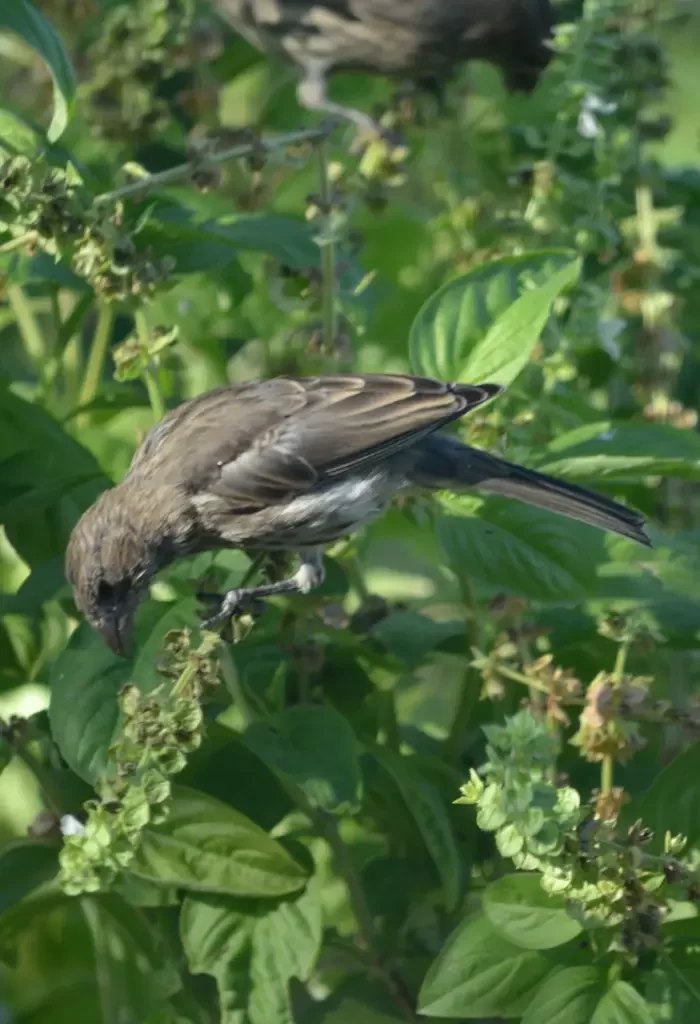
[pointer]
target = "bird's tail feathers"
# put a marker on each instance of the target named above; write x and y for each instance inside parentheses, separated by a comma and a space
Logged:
(448, 464)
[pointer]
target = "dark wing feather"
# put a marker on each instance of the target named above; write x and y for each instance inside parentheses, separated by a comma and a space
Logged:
(265, 442)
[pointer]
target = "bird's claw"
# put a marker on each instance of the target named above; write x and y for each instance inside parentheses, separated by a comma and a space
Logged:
(234, 603)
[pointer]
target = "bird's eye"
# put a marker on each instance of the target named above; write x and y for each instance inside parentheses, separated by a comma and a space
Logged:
(105, 591)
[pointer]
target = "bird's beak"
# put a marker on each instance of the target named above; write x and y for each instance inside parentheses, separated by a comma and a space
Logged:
(116, 633)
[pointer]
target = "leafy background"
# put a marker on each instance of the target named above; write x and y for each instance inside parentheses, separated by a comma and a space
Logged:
(312, 866)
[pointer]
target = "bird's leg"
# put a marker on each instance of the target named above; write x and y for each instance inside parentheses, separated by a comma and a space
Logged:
(312, 94)
(308, 576)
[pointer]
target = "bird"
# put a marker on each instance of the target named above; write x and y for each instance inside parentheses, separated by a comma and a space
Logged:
(419, 40)
(291, 464)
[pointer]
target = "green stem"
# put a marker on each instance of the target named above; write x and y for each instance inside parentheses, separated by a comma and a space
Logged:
(150, 181)
(98, 354)
(328, 828)
(28, 326)
(233, 684)
(607, 767)
(150, 374)
(388, 719)
(327, 252)
(469, 692)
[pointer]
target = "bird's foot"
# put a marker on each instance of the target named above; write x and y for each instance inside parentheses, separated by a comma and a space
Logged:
(233, 603)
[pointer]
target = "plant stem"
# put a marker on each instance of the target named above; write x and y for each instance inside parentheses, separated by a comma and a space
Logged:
(328, 828)
(98, 353)
(469, 692)
(28, 326)
(150, 181)
(327, 245)
(388, 719)
(607, 767)
(233, 683)
(150, 374)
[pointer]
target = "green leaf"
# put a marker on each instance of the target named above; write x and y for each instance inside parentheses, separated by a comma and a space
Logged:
(17, 135)
(253, 949)
(622, 450)
(87, 677)
(27, 21)
(519, 908)
(314, 748)
(622, 1004)
(520, 549)
(568, 996)
(479, 974)
(206, 846)
(93, 959)
(290, 241)
(484, 325)
(672, 802)
(425, 804)
(46, 479)
(25, 865)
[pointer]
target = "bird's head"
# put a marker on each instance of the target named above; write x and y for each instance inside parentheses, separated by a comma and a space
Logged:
(110, 562)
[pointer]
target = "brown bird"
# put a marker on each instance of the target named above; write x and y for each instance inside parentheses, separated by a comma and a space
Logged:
(290, 464)
(420, 40)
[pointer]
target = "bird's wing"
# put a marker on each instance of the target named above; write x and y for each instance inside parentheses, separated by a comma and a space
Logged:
(265, 442)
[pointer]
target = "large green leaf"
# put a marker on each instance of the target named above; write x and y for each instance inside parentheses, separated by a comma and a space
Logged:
(518, 907)
(480, 974)
(425, 804)
(672, 802)
(93, 959)
(485, 325)
(16, 135)
(25, 864)
(568, 996)
(623, 451)
(520, 549)
(252, 949)
(87, 677)
(27, 21)
(622, 1004)
(314, 748)
(46, 479)
(206, 846)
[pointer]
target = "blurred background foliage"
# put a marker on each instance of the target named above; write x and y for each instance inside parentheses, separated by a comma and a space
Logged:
(117, 301)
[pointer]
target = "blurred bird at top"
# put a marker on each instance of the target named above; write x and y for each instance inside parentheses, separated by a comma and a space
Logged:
(418, 40)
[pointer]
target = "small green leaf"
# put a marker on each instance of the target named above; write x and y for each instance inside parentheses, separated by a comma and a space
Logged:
(484, 325)
(16, 135)
(206, 846)
(314, 748)
(27, 21)
(519, 908)
(479, 974)
(424, 802)
(509, 841)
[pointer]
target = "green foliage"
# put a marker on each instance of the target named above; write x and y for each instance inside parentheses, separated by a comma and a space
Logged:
(460, 779)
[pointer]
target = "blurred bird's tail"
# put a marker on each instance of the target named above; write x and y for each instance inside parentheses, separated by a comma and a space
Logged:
(447, 464)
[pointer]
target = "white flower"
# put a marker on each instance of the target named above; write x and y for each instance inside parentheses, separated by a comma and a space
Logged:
(70, 826)
(588, 124)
